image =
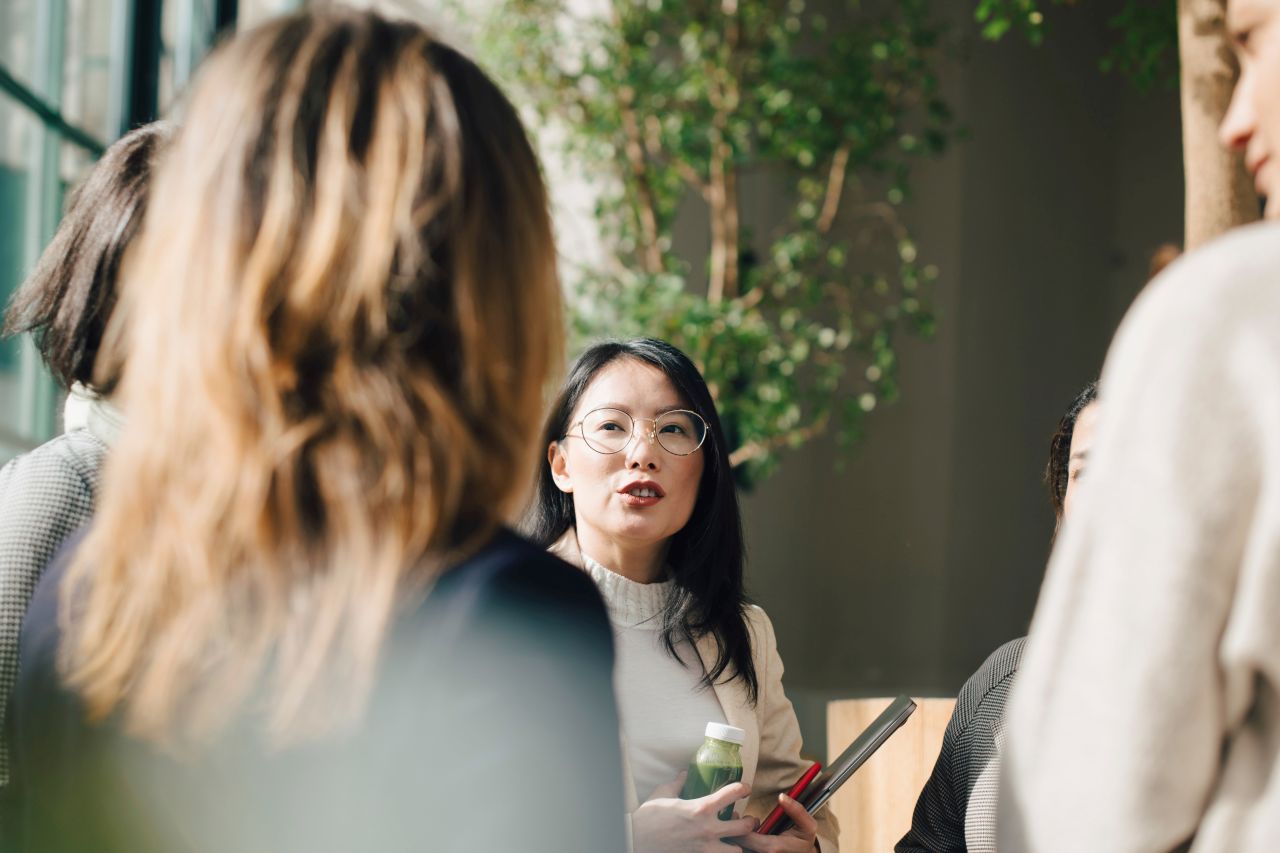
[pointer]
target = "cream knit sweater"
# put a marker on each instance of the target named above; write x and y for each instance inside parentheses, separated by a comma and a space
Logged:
(1146, 716)
(771, 759)
(663, 707)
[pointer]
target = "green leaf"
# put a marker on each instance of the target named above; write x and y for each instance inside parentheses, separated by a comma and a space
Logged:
(996, 29)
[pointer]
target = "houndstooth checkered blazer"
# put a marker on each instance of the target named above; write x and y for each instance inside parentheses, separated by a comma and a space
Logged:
(956, 812)
(44, 496)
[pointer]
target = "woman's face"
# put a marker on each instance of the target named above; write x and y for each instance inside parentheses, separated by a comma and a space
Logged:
(1081, 444)
(641, 495)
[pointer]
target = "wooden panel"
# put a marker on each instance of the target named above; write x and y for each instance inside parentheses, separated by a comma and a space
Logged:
(874, 807)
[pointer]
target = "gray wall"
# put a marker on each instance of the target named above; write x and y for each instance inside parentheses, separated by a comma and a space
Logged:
(902, 570)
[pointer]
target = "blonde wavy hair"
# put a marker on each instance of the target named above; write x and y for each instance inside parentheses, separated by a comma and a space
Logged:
(336, 329)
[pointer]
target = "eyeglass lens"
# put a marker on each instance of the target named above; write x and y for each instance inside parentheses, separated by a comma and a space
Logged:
(610, 430)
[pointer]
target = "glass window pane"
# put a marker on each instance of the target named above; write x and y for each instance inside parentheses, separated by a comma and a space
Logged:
(73, 166)
(187, 32)
(18, 140)
(18, 38)
(29, 400)
(93, 71)
(168, 34)
(250, 13)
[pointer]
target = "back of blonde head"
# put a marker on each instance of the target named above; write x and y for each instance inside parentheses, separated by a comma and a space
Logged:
(336, 331)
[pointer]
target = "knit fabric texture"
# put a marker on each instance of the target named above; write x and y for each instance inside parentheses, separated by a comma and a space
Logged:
(956, 812)
(45, 495)
(662, 704)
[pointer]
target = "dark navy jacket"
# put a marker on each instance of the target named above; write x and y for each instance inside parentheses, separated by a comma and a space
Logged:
(493, 727)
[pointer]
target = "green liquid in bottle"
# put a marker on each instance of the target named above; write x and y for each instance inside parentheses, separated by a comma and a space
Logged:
(716, 764)
(706, 779)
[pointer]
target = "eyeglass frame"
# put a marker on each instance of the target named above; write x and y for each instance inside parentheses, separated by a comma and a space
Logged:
(652, 433)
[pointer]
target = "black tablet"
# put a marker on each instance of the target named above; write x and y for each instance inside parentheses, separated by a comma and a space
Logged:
(862, 748)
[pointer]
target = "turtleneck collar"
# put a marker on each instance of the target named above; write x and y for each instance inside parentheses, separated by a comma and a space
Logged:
(86, 410)
(630, 604)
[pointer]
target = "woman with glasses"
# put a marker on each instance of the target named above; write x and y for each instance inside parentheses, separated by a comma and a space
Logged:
(639, 492)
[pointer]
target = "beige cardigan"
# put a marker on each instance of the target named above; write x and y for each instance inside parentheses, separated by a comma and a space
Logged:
(1146, 714)
(771, 760)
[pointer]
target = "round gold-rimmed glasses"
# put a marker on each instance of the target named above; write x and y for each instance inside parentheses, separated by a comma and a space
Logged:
(679, 432)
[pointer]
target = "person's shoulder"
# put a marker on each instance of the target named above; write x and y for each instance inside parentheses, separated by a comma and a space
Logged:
(759, 624)
(509, 561)
(510, 583)
(1232, 277)
(66, 465)
(755, 615)
(508, 618)
(1212, 313)
(84, 452)
(45, 495)
(999, 665)
(1247, 248)
(989, 685)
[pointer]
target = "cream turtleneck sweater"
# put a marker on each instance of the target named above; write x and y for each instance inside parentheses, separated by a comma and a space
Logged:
(662, 705)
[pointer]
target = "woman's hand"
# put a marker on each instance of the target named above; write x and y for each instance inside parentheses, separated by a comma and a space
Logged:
(664, 823)
(802, 837)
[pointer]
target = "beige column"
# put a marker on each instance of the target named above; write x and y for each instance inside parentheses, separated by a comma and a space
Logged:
(1220, 194)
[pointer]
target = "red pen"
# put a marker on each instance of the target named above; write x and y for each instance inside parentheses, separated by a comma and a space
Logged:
(778, 814)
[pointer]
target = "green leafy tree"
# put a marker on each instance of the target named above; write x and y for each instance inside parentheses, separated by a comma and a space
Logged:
(1146, 34)
(663, 102)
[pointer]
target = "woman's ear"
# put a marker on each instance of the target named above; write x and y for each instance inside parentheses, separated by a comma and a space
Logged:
(559, 463)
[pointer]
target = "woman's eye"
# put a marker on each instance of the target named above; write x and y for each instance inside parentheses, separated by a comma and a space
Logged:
(672, 429)
(609, 426)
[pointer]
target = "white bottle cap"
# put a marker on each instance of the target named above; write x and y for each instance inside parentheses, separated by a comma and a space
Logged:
(720, 731)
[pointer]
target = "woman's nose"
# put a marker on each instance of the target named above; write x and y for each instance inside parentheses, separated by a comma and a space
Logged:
(644, 450)
(1238, 124)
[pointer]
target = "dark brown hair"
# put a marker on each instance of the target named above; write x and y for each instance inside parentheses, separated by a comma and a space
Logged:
(1055, 472)
(68, 299)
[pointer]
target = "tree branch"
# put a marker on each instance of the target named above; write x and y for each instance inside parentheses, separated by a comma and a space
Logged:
(650, 251)
(887, 214)
(835, 189)
(653, 143)
(758, 449)
(722, 194)
(721, 267)
(752, 298)
(647, 213)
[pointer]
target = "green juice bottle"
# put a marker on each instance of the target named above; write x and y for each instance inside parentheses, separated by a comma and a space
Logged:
(718, 762)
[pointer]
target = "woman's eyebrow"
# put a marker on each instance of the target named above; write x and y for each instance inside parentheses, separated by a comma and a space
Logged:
(661, 410)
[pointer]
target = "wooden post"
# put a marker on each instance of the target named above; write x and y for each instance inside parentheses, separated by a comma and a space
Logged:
(1220, 193)
(874, 807)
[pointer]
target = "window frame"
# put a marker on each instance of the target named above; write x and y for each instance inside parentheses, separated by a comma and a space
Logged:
(137, 38)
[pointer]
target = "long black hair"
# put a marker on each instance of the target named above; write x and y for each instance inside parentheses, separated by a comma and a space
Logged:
(706, 556)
